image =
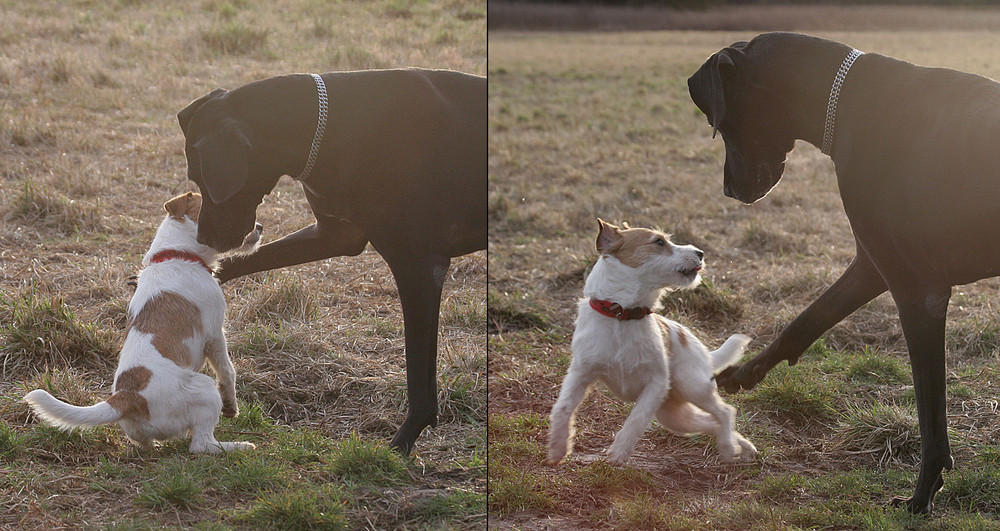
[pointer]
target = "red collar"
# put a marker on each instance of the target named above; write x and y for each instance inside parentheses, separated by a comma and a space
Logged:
(613, 309)
(172, 254)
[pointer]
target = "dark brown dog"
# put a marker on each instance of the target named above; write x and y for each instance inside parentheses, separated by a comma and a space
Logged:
(919, 172)
(401, 164)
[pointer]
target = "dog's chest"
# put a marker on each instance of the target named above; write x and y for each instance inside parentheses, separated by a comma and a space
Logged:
(625, 356)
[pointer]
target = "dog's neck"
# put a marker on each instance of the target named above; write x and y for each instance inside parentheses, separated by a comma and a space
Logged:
(182, 236)
(805, 87)
(608, 281)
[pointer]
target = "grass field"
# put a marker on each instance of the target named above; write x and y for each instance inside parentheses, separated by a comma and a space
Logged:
(600, 124)
(89, 151)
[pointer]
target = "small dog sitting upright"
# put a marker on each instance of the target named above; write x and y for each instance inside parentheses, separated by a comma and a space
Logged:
(642, 356)
(175, 323)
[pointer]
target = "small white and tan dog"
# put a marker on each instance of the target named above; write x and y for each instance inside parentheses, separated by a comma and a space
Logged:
(642, 356)
(175, 321)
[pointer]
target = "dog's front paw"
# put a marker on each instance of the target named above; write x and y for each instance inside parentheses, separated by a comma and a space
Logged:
(230, 410)
(557, 452)
(914, 507)
(749, 452)
(617, 457)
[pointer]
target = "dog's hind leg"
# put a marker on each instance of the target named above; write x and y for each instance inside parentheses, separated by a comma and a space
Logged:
(204, 405)
(561, 429)
(638, 420)
(922, 317)
(419, 279)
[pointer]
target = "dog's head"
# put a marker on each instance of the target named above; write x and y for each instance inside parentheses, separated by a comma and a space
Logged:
(223, 163)
(186, 209)
(751, 114)
(651, 257)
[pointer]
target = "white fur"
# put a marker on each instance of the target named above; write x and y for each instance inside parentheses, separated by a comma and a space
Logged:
(181, 401)
(669, 381)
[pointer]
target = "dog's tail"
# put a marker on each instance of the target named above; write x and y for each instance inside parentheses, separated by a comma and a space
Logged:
(67, 416)
(729, 353)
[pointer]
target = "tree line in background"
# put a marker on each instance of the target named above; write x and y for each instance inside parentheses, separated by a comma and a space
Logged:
(706, 4)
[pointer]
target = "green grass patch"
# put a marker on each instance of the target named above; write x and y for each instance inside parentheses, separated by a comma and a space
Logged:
(41, 205)
(510, 313)
(796, 394)
(645, 512)
(164, 492)
(878, 368)
(360, 462)
(972, 490)
(603, 477)
(41, 331)
(304, 446)
(449, 507)
(885, 433)
(512, 485)
(234, 38)
(708, 302)
(302, 508)
(510, 490)
(87, 441)
(10, 442)
(252, 418)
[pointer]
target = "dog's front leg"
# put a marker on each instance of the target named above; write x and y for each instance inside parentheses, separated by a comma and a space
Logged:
(638, 420)
(561, 430)
(859, 283)
(217, 354)
(923, 322)
(318, 241)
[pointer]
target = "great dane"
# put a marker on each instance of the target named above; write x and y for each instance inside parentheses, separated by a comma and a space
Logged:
(918, 167)
(397, 158)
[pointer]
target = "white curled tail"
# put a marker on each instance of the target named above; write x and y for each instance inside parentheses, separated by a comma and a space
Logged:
(729, 353)
(67, 416)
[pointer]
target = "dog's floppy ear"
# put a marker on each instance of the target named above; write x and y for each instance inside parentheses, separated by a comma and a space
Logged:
(609, 239)
(188, 204)
(706, 85)
(223, 155)
(184, 117)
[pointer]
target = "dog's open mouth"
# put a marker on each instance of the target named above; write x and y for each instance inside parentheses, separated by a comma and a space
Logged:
(691, 271)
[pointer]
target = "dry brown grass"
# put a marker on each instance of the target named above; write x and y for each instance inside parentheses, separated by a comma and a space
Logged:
(600, 124)
(90, 149)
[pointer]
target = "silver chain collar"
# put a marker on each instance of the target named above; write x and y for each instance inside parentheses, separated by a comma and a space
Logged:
(831, 106)
(320, 127)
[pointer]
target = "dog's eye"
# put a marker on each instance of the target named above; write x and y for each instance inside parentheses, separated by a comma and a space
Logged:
(660, 242)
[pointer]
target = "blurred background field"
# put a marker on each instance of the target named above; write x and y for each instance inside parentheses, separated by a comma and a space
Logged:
(599, 123)
(89, 151)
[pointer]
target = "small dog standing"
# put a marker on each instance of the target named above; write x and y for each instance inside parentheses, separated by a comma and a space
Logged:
(642, 356)
(175, 324)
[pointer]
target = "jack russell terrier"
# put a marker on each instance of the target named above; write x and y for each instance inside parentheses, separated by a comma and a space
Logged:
(642, 356)
(175, 324)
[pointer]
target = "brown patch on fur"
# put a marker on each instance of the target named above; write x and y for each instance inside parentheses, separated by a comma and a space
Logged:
(665, 330)
(171, 319)
(188, 204)
(126, 398)
(682, 337)
(638, 245)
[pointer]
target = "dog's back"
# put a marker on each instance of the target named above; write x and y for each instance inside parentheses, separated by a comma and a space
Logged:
(175, 321)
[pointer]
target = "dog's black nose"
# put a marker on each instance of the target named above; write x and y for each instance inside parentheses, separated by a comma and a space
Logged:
(700, 253)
